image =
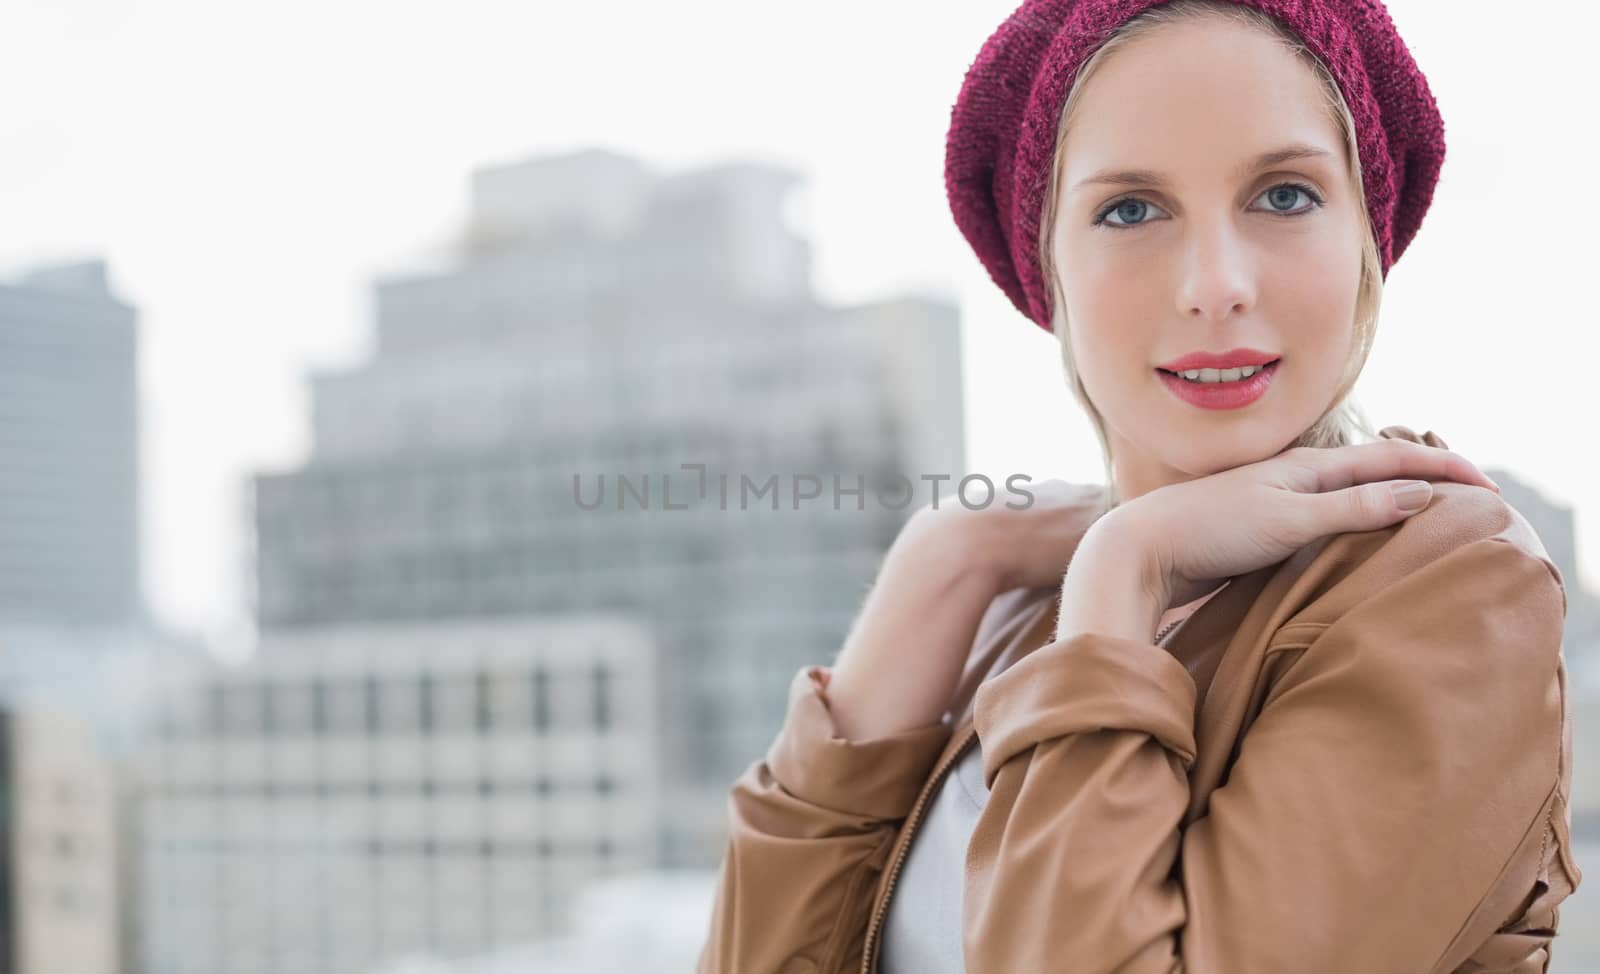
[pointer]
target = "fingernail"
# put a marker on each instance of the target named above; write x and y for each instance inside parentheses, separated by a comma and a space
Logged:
(1412, 495)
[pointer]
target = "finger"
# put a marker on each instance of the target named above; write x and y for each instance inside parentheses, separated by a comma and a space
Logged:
(1369, 506)
(1345, 466)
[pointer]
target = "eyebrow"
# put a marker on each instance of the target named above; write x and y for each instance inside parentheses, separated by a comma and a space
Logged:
(1149, 177)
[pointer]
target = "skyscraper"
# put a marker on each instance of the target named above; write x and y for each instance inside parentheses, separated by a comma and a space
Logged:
(69, 460)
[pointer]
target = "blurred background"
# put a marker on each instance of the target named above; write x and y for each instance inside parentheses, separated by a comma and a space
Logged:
(376, 382)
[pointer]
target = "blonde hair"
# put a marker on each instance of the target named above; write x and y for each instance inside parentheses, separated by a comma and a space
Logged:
(1344, 422)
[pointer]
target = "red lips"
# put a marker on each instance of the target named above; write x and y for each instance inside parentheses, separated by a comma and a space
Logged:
(1231, 359)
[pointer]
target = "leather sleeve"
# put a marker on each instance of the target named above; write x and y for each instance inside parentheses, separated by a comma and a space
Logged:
(810, 830)
(1401, 757)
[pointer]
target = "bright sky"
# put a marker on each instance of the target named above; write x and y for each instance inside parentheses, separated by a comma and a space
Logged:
(247, 169)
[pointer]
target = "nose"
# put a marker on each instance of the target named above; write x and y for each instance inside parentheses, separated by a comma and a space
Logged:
(1218, 276)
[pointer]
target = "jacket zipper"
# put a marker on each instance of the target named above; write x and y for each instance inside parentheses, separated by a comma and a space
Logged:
(912, 821)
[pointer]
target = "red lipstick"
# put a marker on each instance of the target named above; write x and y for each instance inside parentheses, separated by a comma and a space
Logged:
(1220, 395)
(1231, 359)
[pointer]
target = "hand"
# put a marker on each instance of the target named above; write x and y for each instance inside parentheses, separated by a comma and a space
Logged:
(1198, 533)
(904, 656)
(1021, 548)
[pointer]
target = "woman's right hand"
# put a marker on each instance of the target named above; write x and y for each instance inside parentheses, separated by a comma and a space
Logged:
(1028, 547)
(904, 656)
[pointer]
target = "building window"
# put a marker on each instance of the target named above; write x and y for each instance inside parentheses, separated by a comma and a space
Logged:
(345, 706)
(456, 707)
(509, 699)
(319, 708)
(269, 709)
(602, 697)
(483, 717)
(242, 708)
(401, 702)
(290, 709)
(372, 705)
(427, 691)
(541, 699)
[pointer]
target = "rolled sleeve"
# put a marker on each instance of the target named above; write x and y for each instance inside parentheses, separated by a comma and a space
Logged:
(1088, 682)
(876, 779)
(810, 830)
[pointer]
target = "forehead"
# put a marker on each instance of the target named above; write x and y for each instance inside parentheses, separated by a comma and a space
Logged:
(1200, 99)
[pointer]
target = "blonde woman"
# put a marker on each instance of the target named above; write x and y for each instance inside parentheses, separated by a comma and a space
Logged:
(1285, 695)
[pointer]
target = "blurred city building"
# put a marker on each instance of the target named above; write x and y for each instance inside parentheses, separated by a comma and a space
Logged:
(76, 646)
(604, 321)
(61, 867)
(75, 697)
(69, 449)
(363, 792)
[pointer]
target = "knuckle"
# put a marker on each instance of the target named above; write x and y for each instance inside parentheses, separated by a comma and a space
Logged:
(1374, 500)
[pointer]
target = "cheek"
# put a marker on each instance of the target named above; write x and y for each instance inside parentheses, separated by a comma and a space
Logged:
(1114, 334)
(1314, 294)
(1112, 311)
(1116, 318)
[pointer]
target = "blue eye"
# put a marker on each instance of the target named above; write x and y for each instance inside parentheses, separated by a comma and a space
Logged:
(1286, 193)
(1129, 209)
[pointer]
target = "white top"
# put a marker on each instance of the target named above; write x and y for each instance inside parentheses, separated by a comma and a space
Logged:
(922, 931)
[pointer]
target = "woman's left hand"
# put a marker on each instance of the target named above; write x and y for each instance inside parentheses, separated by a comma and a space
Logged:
(1195, 534)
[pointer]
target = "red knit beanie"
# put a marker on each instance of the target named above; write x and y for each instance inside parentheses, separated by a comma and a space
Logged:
(1003, 126)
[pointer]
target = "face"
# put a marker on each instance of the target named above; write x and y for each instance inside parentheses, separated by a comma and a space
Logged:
(1201, 246)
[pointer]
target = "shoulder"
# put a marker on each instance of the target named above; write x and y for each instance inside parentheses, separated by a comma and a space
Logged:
(1444, 630)
(1468, 546)
(1460, 513)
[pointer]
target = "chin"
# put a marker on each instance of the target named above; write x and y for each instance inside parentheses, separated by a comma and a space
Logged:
(1206, 456)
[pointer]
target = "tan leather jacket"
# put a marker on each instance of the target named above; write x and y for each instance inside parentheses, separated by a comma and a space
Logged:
(1358, 759)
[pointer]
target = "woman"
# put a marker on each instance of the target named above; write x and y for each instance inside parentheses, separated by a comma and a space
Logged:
(1299, 703)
